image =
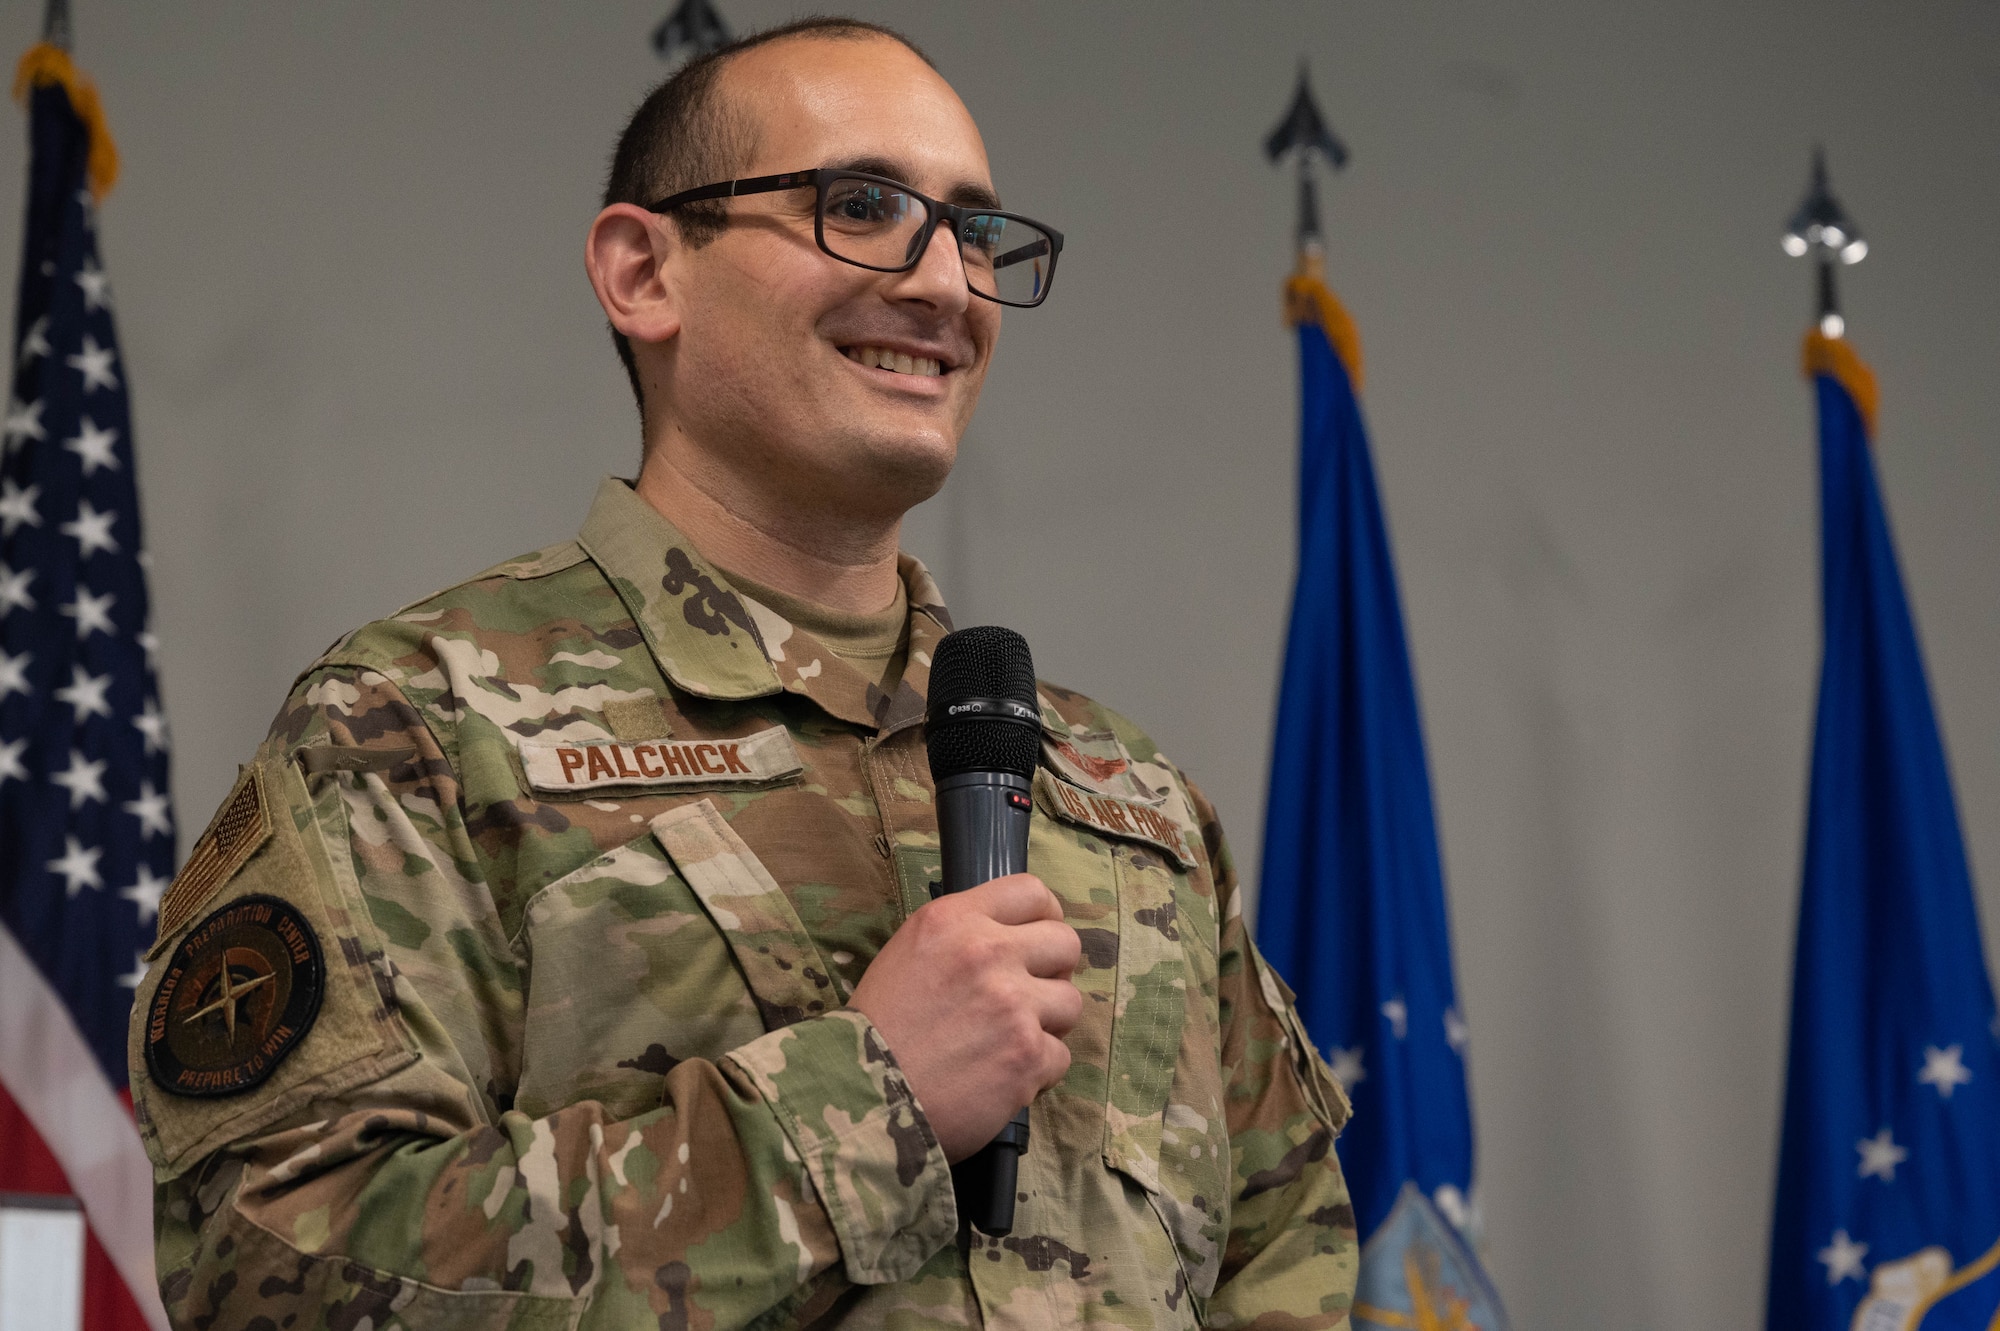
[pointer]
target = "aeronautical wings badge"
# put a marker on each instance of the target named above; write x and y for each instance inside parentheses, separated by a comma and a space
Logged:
(1921, 1292)
(240, 992)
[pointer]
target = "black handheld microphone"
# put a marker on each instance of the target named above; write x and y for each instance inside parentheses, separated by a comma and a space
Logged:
(983, 730)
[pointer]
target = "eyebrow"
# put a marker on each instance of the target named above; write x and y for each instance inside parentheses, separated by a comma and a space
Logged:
(966, 193)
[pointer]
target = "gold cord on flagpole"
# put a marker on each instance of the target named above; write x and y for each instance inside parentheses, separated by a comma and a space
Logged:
(47, 64)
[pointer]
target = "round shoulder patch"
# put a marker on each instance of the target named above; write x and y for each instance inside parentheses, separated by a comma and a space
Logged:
(239, 993)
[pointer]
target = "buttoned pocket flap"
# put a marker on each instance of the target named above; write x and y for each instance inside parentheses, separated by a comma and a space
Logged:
(785, 972)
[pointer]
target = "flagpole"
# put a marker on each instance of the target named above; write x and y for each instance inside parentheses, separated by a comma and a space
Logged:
(1352, 910)
(55, 24)
(1821, 227)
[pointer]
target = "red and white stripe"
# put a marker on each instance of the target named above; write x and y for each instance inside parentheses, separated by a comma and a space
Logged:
(85, 1122)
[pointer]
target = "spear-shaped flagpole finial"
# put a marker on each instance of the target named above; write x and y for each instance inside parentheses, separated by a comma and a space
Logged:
(1822, 228)
(694, 28)
(55, 24)
(1302, 134)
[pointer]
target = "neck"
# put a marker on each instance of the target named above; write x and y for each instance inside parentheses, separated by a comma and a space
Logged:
(843, 561)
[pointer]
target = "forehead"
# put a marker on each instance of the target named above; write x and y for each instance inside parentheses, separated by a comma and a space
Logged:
(820, 101)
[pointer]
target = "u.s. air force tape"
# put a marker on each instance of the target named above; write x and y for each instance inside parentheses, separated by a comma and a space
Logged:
(239, 993)
(562, 765)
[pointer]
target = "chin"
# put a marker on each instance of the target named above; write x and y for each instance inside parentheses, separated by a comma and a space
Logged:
(900, 473)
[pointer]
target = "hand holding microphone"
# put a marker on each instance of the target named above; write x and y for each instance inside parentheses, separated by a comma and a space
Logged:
(973, 993)
(973, 996)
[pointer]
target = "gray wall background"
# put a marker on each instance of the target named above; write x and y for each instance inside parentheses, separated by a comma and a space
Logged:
(346, 251)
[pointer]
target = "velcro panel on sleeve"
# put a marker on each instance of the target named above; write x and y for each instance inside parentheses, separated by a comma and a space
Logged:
(264, 996)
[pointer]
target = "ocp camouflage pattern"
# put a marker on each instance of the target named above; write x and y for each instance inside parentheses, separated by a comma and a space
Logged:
(583, 1060)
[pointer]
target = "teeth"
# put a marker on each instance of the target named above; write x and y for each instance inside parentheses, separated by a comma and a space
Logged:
(884, 358)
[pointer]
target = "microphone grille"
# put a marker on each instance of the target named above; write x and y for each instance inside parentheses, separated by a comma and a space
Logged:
(986, 661)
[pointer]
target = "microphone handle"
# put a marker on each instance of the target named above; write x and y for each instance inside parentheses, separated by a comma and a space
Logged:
(983, 835)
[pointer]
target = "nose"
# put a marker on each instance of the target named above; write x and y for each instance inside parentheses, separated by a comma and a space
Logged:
(939, 276)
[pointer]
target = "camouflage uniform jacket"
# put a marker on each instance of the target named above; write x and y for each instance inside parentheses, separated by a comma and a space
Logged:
(593, 850)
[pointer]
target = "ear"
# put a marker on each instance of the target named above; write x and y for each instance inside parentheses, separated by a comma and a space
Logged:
(629, 253)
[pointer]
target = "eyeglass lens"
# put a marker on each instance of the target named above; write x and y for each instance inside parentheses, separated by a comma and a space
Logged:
(880, 226)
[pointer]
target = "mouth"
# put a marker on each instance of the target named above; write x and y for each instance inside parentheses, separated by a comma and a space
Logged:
(896, 362)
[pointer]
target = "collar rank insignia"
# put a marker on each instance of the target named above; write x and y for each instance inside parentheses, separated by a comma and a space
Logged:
(240, 992)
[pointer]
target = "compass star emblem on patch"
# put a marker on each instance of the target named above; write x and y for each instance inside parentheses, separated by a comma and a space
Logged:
(240, 992)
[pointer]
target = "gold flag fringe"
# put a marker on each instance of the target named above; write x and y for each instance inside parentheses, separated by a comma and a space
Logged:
(1832, 356)
(1308, 299)
(45, 65)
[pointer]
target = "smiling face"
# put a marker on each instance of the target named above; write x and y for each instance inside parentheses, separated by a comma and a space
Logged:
(810, 380)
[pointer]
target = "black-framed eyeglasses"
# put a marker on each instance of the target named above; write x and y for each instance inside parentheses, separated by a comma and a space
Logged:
(881, 224)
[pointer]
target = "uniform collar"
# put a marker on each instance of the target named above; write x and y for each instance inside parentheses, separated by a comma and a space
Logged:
(716, 642)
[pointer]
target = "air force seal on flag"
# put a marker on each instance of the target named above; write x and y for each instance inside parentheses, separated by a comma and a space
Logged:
(1417, 1272)
(1923, 1293)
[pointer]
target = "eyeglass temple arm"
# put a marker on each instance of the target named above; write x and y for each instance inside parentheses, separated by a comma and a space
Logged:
(729, 189)
(1034, 250)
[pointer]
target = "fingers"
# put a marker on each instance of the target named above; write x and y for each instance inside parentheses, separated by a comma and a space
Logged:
(1048, 949)
(1058, 1006)
(1018, 898)
(1055, 1062)
(1035, 933)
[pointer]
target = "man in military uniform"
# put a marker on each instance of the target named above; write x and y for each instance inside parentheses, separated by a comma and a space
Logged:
(565, 957)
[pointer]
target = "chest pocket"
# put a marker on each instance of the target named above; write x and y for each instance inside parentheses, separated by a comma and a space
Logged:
(676, 945)
(1149, 1046)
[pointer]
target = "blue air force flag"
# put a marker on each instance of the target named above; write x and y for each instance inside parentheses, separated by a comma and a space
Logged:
(1888, 1206)
(1352, 907)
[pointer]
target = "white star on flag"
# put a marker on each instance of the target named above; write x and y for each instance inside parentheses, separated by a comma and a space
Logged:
(24, 422)
(94, 363)
(14, 673)
(146, 893)
(133, 978)
(86, 693)
(1842, 1258)
(17, 506)
(1879, 1156)
(78, 866)
(151, 811)
(84, 780)
(94, 447)
(1398, 1013)
(153, 725)
(36, 341)
(149, 642)
(11, 765)
(96, 286)
(14, 589)
(91, 613)
(92, 530)
(1346, 1067)
(1455, 1032)
(1944, 1070)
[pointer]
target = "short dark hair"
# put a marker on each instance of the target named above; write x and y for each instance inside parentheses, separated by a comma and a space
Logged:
(686, 133)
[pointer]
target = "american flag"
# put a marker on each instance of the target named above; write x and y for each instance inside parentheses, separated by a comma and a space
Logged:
(86, 830)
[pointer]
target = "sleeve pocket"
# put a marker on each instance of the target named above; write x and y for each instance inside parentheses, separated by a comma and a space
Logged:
(265, 991)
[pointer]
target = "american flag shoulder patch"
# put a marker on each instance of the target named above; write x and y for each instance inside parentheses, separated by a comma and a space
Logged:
(239, 827)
